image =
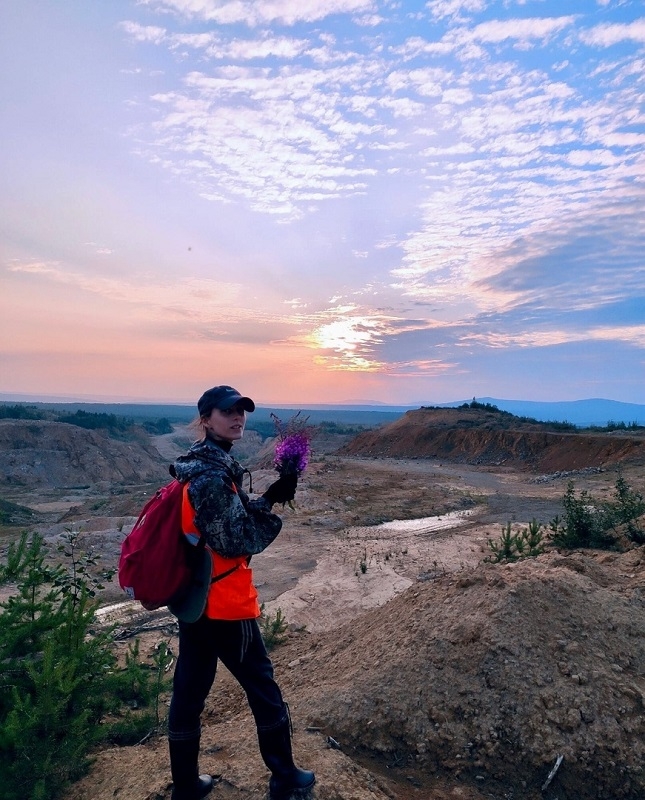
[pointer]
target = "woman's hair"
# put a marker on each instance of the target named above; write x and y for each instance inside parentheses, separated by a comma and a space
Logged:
(197, 428)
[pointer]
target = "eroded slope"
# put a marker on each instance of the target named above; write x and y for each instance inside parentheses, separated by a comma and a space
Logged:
(474, 436)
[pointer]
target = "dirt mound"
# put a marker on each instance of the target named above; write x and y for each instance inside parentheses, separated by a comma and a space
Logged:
(474, 436)
(493, 674)
(468, 686)
(42, 454)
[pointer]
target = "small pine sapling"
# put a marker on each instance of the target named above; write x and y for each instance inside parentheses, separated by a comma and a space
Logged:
(273, 628)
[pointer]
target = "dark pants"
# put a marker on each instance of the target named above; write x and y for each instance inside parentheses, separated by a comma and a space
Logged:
(240, 647)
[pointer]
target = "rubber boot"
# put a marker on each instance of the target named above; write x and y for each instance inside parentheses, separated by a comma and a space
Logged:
(286, 779)
(187, 783)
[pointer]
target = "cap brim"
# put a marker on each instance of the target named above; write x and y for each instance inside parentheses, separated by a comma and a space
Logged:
(246, 403)
(192, 603)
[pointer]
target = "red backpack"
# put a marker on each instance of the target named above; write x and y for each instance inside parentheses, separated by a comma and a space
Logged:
(153, 566)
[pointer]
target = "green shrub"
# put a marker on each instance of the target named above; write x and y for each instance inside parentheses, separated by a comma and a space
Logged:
(534, 538)
(627, 507)
(273, 628)
(59, 678)
(12, 513)
(137, 690)
(585, 523)
(50, 677)
(588, 523)
(84, 573)
(527, 543)
(132, 728)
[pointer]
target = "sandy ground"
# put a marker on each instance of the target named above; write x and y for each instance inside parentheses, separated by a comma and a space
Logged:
(365, 567)
(321, 580)
(407, 535)
(322, 572)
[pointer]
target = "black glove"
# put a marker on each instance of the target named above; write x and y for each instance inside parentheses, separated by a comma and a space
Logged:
(283, 490)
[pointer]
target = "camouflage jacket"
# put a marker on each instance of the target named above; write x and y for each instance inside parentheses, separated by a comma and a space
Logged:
(233, 524)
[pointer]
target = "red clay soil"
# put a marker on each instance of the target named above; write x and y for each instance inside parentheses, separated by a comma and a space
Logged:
(481, 437)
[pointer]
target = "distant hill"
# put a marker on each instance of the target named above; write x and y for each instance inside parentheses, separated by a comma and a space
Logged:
(493, 438)
(368, 416)
(582, 413)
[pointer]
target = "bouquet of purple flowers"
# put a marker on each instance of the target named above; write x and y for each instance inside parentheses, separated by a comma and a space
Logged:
(293, 448)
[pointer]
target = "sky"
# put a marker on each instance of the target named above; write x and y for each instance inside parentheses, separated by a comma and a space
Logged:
(323, 201)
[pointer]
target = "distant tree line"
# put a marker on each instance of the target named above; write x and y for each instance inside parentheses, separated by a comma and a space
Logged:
(558, 426)
(92, 421)
(112, 424)
(561, 426)
(266, 428)
(19, 411)
(119, 426)
(617, 426)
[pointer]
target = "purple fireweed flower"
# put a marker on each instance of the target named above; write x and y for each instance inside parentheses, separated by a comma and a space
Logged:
(293, 448)
(292, 454)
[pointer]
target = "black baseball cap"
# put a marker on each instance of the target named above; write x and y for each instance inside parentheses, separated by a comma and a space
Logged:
(222, 397)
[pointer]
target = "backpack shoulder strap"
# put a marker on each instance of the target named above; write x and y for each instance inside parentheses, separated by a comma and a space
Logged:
(194, 536)
(191, 533)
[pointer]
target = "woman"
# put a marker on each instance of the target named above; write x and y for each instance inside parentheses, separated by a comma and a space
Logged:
(234, 528)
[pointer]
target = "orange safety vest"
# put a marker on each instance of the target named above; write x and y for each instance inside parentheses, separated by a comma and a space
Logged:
(235, 596)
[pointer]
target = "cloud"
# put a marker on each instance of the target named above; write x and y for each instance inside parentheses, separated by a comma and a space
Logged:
(523, 30)
(285, 138)
(345, 336)
(276, 139)
(552, 278)
(100, 250)
(471, 258)
(607, 35)
(144, 33)
(458, 192)
(218, 47)
(632, 334)
(184, 290)
(440, 9)
(212, 303)
(253, 13)
(265, 47)
(592, 156)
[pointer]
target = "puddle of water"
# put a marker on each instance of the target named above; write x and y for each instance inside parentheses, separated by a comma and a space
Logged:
(450, 520)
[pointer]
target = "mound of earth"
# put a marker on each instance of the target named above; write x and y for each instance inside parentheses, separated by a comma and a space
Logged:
(15, 514)
(470, 686)
(494, 674)
(475, 436)
(43, 454)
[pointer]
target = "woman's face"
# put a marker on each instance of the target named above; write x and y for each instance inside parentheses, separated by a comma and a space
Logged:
(227, 425)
